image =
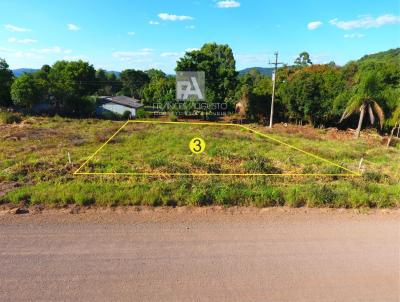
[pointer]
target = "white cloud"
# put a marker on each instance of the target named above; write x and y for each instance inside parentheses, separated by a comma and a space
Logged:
(73, 27)
(4, 50)
(51, 50)
(354, 36)
(21, 41)
(169, 17)
(228, 4)
(147, 50)
(251, 58)
(366, 22)
(190, 27)
(171, 54)
(154, 22)
(75, 58)
(314, 25)
(14, 28)
(130, 55)
(26, 55)
(34, 53)
(131, 33)
(191, 49)
(320, 58)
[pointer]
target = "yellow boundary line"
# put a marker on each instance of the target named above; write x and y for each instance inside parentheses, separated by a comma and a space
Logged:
(350, 174)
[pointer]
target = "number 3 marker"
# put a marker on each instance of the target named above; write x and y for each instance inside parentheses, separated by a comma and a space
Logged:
(197, 145)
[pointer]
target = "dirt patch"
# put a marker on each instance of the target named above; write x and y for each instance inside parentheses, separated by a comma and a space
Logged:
(120, 213)
(18, 133)
(7, 187)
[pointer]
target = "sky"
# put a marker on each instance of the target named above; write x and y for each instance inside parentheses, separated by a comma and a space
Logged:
(119, 34)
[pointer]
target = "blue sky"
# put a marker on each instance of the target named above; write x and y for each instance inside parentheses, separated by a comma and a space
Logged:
(118, 34)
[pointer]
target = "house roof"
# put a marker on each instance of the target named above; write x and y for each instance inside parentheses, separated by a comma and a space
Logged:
(125, 101)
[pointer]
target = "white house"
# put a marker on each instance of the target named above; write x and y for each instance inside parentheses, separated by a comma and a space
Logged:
(118, 105)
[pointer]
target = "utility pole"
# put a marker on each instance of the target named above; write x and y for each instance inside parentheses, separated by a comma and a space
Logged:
(271, 118)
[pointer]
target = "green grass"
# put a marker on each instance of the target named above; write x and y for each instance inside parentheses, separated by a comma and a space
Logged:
(34, 153)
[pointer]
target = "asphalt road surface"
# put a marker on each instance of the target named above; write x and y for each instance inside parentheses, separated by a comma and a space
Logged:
(200, 255)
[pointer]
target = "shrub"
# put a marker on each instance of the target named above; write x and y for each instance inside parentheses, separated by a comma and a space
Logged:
(84, 199)
(157, 162)
(359, 199)
(10, 118)
(201, 196)
(228, 194)
(126, 115)
(294, 197)
(140, 113)
(172, 117)
(375, 177)
(319, 196)
(268, 197)
(108, 115)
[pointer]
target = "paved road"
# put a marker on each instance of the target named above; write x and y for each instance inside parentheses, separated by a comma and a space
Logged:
(200, 255)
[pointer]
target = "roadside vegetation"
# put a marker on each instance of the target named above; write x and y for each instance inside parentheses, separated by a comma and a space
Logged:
(34, 158)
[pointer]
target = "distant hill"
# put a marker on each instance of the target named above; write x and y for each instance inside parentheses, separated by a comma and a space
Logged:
(391, 56)
(263, 70)
(117, 73)
(20, 71)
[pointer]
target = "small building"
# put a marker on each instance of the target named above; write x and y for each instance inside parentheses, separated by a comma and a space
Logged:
(117, 105)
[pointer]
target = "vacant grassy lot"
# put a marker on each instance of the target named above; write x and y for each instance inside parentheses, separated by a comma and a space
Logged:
(34, 166)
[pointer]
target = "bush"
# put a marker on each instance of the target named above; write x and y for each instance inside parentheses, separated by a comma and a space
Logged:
(319, 196)
(126, 115)
(157, 162)
(108, 115)
(268, 197)
(84, 199)
(375, 177)
(359, 199)
(10, 118)
(172, 117)
(228, 195)
(201, 196)
(295, 198)
(140, 113)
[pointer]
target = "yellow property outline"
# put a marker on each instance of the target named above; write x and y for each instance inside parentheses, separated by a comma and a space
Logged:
(349, 173)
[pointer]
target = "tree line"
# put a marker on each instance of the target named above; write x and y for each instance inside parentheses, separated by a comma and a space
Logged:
(318, 94)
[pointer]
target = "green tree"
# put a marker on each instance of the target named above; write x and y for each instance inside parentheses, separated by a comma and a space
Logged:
(26, 91)
(218, 63)
(155, 74)
(309, 93)
(254, 92)
(114, 82)
(395, 123)
(102, 82)
(133, 82)
(6, 79)
(70, 84)
(160, 90)
(365, 98)
(303, 59)
(107, 82)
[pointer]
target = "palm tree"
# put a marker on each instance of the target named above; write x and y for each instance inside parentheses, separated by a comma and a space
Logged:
(395, 121)
(366, 96)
